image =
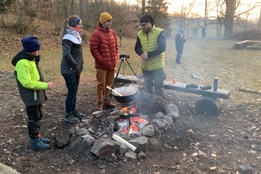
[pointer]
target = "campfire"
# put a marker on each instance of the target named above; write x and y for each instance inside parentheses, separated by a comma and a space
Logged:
(126, 130)
(130, 122)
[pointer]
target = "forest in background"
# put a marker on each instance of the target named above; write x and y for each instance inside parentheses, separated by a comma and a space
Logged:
(226, 22)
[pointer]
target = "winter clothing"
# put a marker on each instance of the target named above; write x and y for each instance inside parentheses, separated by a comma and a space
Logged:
(74, 21)
(69, 118)
(155, 47)
(78, 115)
(31, 44)
(146, 19)
(104, 49)
(179, 42)
(180, 31)
(45, 140)
(72, 60)
(38, 145)
(71, 68)
(31, 87)
(104, 17)
(154, 44)
(29, 78)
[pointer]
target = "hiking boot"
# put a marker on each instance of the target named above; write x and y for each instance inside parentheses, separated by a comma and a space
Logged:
(45, 140)
(69, 118)
(100, 106)
(78, 115)
(109, 105)
(38, 145)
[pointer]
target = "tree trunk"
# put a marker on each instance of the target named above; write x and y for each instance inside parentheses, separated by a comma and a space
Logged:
(143, 7)
(259, 22)
(204, 32)
(229, 17)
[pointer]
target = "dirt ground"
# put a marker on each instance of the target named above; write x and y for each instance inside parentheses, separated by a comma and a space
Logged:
(193, 144)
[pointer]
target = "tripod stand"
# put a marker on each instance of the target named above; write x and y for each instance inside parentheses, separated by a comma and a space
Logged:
(123, 60)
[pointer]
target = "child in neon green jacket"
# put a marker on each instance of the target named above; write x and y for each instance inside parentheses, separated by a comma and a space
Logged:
(32, 88)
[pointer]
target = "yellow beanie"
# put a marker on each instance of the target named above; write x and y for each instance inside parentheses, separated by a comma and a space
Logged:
(104, 17)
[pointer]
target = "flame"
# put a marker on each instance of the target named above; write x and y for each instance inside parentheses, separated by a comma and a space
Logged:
(130, 110)
(124, 109)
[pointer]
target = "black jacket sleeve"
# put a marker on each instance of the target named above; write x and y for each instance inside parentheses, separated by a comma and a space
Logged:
(138, 47)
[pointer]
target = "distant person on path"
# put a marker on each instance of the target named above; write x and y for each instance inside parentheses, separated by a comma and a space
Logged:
(150, 46)
(32, 88)
(72, 66)
(104, 49)
(179, 42)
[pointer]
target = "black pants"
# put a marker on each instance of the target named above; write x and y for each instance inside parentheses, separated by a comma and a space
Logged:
(179, 53)
(72, 83)
(35, 116)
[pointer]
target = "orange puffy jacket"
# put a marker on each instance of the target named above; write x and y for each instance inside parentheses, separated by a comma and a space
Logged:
(104, 48)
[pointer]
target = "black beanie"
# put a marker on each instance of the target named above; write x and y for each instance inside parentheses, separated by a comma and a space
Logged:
(31, 44)
(146, 19)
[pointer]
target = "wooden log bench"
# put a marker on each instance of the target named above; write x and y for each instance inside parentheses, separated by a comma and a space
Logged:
(244, 44)
(207, 104)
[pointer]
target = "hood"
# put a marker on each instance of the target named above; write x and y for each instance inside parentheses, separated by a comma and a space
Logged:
(24, 55)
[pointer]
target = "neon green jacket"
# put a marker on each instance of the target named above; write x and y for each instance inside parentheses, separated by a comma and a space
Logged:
(149, 43)
(30, 85)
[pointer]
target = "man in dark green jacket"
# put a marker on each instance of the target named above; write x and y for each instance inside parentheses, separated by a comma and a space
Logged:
(32, 88)
(150, 46)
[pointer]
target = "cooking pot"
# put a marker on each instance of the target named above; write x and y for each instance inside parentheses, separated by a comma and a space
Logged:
(124, 94)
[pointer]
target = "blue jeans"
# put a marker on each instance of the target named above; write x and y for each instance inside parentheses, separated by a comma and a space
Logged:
(154, 79)
(72, 83)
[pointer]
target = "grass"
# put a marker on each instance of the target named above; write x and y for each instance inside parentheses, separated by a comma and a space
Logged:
(205, 58)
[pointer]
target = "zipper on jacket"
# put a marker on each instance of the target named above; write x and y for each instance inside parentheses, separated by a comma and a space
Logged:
(35, 95)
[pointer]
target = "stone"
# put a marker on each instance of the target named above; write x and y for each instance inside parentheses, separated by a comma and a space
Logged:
(142, 155)
(130, 155)
(148, 131)
(172, 110)
(104, 147)
(97, 114)
(88, 139)
(82, 131)
(140, 142)
(62, 140)
(245, 169)
(4, 169)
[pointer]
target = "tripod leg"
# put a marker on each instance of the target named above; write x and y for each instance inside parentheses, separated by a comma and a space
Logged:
(131, 68)
(118, 71)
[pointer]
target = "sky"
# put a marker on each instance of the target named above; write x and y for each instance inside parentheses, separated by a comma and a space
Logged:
(175, 6)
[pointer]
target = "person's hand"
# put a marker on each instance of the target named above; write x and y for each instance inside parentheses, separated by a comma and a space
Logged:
(144, 56)
(50, 85)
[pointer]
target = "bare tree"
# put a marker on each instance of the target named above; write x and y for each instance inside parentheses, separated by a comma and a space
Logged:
(259, 22)
(229, 17)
